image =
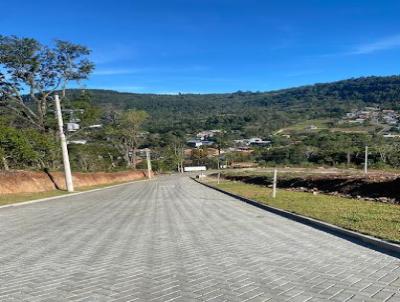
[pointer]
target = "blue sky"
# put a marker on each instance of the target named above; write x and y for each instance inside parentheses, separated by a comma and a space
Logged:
(201, 46)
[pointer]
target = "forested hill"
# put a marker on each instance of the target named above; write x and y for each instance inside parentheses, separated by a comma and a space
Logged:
(254, 112)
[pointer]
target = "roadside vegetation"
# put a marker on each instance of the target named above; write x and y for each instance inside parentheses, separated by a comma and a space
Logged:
(372, 218)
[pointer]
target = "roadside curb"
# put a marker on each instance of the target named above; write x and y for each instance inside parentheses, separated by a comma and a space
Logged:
(23, 203)
(358, 238)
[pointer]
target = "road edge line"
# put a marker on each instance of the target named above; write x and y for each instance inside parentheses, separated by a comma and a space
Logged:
(355, 237)
(23, 203)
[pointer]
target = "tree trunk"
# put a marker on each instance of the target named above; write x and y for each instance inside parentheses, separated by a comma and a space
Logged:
(5, 164)
(348, 158)
(127, 159)
(134, 158)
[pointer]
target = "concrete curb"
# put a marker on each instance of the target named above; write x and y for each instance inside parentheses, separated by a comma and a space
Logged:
(358, 238)
(23, 203)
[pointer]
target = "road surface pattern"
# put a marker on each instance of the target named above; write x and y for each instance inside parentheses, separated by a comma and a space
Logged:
(172, 239)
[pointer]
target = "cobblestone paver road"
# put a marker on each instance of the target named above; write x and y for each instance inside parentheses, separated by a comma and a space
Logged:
(174, 240)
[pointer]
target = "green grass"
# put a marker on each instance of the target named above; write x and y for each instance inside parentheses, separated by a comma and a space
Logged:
(323, 124)
(320, 123)
(21, 197)
(6, 199)
(372, 218)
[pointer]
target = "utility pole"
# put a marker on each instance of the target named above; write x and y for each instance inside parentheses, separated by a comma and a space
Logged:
(219, 176)
(366, 161)
(275, 179)
(64, 147)
(148, 163)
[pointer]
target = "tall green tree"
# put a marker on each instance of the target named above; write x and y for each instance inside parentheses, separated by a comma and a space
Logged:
(26, 65)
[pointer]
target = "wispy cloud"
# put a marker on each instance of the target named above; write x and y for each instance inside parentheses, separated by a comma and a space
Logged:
(383, 44)
(115, 71)
(126, 71)
(300, 73)
(121, 88)
(387, 43)
(113, 53)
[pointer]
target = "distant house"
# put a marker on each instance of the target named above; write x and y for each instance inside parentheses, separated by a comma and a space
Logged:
(358, 121)
(372, 108)
(194, 143)
(72, 127)
(78, 142)
(389, 119)
(388, 111)
(388, 135)
(311, 127)
(256, 141)
(204, 135)
(198, 143)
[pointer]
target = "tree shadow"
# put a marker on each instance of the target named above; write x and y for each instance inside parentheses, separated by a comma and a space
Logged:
(51, 177)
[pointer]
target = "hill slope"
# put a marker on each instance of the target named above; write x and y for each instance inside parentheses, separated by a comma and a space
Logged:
(254, 112)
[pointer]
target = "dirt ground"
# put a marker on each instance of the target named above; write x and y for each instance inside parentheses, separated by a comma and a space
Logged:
(32, 181)
(377, 185)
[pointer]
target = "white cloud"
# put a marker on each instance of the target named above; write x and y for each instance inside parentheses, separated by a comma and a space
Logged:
(383, 44)
(119, 88)
(168, 69)
(115, 71)
(300, 73)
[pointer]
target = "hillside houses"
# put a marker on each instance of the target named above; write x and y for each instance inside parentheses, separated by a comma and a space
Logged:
(254, 141)
(207, 134)
(373, 115)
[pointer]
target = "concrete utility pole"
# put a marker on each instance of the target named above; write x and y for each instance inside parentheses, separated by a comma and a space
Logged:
(366, 161)
(275, 180)
(67, 167)
(148, 163)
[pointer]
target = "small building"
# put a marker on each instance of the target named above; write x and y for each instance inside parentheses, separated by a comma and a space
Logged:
(388, 135)
(369, 108)
(194, 143)
(358, 121)
(350, 115)
(204, 135)
(256, 141)
(78, 142)
(311, 127)
(72, 127)
(388, 111)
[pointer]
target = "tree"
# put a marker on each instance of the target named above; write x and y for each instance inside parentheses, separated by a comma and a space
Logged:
(15, 148)
(27, 66)
(176, 153)
(131, 124)
(200, 155)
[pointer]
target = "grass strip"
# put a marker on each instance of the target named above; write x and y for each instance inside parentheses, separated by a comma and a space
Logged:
(377, 219)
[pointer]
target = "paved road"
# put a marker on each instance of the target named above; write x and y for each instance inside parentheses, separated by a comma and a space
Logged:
(175, 240)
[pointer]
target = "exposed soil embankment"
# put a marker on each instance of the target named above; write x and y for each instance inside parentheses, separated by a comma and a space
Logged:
(379, 188)
(30, 182)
